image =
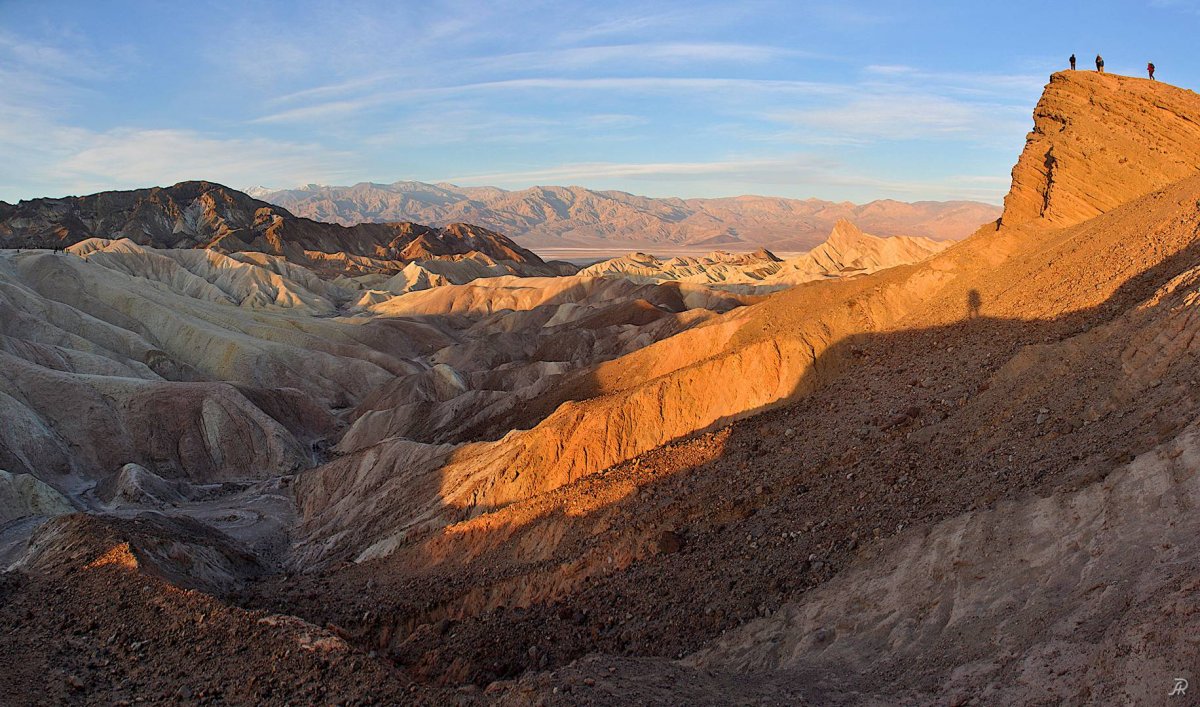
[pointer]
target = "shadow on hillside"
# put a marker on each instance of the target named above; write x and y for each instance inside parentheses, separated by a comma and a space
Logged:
(493, 348)
(660, 554)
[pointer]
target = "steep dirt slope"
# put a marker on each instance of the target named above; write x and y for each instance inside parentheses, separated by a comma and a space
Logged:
(551, 216)
(947, 429)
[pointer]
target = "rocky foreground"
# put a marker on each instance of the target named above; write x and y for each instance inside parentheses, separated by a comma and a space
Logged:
(967, 479)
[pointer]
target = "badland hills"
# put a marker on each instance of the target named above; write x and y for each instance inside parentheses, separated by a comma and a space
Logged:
(249, 461)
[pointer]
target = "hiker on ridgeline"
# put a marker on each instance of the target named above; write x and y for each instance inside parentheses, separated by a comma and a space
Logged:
(1072, 62)
(1150, 69)
(1099, 63)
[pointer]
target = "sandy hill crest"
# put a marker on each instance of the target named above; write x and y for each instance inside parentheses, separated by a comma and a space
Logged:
(848, 249)
(846, 252)
(201, 214)
(1098, 141)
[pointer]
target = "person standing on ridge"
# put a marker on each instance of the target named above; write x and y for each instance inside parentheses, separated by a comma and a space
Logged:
(1099, 63)
(1150, 68)
(1072, 62)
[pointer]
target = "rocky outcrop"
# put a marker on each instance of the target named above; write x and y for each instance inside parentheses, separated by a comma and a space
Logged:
(206, 215)
(23, 495)
(1101, 140)
(848, 250)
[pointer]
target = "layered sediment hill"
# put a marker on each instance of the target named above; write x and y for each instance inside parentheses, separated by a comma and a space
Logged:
(206, 215)
(557, 217)
(1101, 140)
(849, 249)
(847, 252)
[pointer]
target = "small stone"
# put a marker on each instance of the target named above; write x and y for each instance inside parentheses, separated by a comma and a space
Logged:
(75, 682)
(670, 542)
(590, 682)
(789, 432)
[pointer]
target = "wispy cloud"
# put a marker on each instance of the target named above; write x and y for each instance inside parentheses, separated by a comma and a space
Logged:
(585, 171)
(958, 82)
(905, 116)
(557, 61)
(643, 84)
(622, 26)
(448, 123)
(132, 157)
(813, 172)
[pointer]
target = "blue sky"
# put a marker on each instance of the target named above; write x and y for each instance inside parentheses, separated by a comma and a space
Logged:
(857, 101)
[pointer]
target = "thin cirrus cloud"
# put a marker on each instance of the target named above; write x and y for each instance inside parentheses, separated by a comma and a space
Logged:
(625, 26)
(905, 116)
(809, 170)
(455, 125)
(609, 169)
(645, 84)
(42, 152)
(84, 161)
(557, 60)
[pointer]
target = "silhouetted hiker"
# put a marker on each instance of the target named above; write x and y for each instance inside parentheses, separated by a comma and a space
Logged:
(1150, 68)
(974, 304)
(1099, 63)
(1072, 62)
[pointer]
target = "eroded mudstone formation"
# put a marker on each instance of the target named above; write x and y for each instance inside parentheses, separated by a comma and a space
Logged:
(967, 477)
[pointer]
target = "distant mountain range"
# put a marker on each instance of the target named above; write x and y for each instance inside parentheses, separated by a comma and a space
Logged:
(568, 217)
